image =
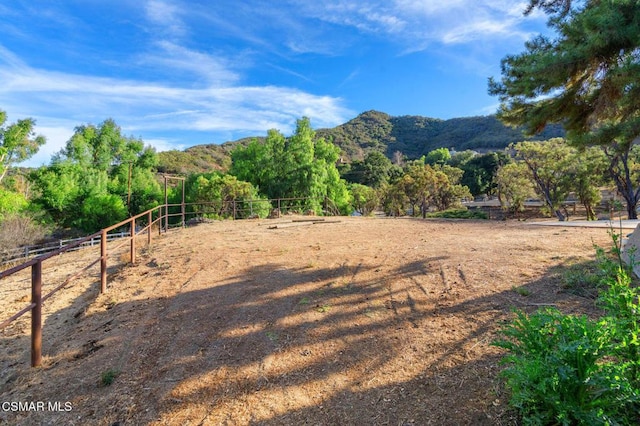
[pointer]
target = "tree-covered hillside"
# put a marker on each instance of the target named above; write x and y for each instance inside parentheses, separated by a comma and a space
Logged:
(415, 136)
(200, 158)
(411, 136)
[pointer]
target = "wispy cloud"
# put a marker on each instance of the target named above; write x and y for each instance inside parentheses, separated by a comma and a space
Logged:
(140, 107)
(190, 67)
(166, 15)
(420, 23)
(215, 70)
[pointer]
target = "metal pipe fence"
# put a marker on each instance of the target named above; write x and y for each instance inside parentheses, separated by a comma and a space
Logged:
(140, 224)
(37, 298)
(13, 255)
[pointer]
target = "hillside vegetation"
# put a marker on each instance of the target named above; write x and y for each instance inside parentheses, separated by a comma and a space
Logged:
(411, 136)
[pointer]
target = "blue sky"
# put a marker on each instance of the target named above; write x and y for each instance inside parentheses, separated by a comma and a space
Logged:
(179, 73)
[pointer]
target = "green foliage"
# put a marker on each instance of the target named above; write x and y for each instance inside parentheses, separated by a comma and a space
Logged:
(373, 171)
(459, 214)
(555, 169)
(423, 187)
(547, 162)
(18, 142)
(440, 156)
(300, 166)
(100, 211)
(586, 76)
(11, 203)
(480, 171)
(98, 179)
(585, 174)
(553, 370)
(364, 199)
(583, 279)
(108, 377)
(224, 196)
(568, 369)
(393, 198)
(59, 188)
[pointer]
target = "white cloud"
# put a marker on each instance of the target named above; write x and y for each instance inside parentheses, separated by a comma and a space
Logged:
(140, 107)
(164, 144)
(215, 70)
(420, 23)
(167, 16)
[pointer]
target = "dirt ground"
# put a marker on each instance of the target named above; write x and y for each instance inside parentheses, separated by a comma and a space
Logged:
(353, 321)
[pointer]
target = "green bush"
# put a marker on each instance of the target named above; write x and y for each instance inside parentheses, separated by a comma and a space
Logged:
(459, 214)
(99, 211)
(568, 369)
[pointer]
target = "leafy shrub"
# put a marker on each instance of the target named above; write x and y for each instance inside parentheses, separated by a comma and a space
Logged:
(99, 211)
(567, 369)
(11, 202)
(459, 214)
(108, 377)
(583, 279)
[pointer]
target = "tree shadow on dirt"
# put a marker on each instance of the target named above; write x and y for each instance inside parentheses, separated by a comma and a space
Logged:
(353, 344)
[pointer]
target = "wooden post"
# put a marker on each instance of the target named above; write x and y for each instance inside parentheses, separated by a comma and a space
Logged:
(36, 314)
(103, 261)
(133, 241)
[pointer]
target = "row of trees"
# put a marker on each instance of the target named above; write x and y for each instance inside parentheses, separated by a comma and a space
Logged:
(101, 177)
(585, 78)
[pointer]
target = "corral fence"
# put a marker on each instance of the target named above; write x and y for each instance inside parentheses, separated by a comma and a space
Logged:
(14, 255)
(162, 217)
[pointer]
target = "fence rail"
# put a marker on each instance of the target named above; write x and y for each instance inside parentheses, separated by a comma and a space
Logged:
(13, 255)
(156, 217)
(37, 298)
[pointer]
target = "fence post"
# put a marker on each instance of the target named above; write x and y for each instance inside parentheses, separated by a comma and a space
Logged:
(182, 206)
(149, 219)
(36, 314)
(133, 241)
(103, 261)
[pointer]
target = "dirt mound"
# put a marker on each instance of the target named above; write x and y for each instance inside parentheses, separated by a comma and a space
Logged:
(362, 321)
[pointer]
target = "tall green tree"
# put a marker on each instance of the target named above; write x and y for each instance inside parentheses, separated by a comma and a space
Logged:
(448, 192)
(585, 175)
(439, 156)
(18, 142)
(221, 196)
(364, 198)
(98, 179)
(586, 78)
(547, 163)
(424, 186)
(514, 186)
(480, 171)
(301, 166)
(373, 171)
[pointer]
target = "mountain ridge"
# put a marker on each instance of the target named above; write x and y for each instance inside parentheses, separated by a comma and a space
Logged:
(409, 136)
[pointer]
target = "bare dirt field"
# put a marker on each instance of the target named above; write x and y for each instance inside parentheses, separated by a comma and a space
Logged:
(361, 321)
